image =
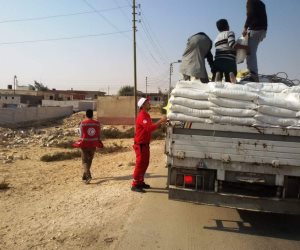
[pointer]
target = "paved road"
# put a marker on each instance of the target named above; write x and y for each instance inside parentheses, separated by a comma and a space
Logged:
(159, 223)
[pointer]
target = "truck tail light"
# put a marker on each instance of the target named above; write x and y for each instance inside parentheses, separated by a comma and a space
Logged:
(188, 179)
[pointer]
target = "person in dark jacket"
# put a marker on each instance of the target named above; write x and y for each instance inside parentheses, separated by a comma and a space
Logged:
(143, 130)
(198, 49)
(256, 28)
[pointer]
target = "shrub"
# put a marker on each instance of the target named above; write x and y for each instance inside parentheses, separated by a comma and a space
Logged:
(4, 185)
(113, 133)
(61, 156)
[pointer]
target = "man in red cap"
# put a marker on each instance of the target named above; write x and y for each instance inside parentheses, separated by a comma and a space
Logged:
(143, 130)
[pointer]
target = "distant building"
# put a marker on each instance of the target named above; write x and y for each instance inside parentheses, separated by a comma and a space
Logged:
(156, 99)
(34, 97)
(9, 101)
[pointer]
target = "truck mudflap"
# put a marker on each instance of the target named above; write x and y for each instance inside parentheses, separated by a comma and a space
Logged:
(273, 205)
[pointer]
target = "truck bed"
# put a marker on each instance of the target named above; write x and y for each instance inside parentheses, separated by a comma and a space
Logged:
(262, 165)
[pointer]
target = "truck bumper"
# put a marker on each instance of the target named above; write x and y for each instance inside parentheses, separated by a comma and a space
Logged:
(273, 205)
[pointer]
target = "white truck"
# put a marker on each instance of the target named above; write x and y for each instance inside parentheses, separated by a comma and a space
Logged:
(237, 166)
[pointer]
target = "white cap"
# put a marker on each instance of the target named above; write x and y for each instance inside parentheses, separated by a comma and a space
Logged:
(141, 102)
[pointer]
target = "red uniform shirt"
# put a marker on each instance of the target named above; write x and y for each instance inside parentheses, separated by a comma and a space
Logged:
(143, 128)
(90, 133)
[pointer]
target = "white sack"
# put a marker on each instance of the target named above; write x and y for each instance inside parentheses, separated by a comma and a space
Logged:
(192, 85)
(232, 120)
(181, 117)
(241, 54)
(227, 103)
(229, 85)
(190, 93)
(276, 87)
(233, 112)
(203, 113)
(195, 104)
(294, 89)
(288, 101)
(281, 121)
(234, 94)
(275, 111)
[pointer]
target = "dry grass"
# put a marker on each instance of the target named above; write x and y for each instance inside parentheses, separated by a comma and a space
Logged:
(112, 133)
(61, 156)
(4, 185)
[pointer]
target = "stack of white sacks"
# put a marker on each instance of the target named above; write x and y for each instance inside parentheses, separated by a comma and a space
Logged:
(252, 104)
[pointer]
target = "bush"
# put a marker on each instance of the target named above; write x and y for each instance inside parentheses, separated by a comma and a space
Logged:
(61, 156)
(113, 133)
(4, 185)
(111, 148)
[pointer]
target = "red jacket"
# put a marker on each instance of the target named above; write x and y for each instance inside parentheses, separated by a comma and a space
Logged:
(143, 128)
(90, 134)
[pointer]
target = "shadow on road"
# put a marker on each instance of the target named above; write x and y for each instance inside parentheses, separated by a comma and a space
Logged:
(157, 190)
(262, 224)
(122, 178)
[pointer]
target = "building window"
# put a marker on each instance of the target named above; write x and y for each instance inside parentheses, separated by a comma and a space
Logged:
(5, 97)
(51, 97)
(13, 97)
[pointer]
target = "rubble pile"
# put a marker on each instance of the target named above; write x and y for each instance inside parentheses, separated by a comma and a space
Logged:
(47, 136)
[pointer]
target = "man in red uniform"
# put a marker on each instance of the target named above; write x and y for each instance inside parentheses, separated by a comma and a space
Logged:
(143, 130)
(89, 141)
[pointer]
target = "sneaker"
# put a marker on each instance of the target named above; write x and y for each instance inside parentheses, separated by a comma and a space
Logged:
(144, 185)
(137, 189)
(88, 179)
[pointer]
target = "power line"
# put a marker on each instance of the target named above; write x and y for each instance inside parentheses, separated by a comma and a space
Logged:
(62, 15)
(157, 45)
(102, 16)
(64, 38)
(122, 11)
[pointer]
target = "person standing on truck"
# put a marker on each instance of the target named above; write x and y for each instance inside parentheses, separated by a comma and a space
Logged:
(143, 130)
(193, 60)
(88, 142)
(256, 29)
(225, 58)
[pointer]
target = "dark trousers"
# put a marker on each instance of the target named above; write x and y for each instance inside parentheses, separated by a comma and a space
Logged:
(87, 155)
(142, 152)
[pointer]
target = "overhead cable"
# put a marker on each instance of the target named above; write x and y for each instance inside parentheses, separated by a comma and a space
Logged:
(64, 38)
(57, 16)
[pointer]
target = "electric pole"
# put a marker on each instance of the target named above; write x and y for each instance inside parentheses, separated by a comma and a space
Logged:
(146, 84)
(134, 58)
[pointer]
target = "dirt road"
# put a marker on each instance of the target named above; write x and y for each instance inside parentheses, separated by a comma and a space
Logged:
(159, 223)
(46, 206)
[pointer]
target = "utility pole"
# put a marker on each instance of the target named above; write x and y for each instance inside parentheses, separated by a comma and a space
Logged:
(134, 58)
(146, 84)
(108, 90)
(170, 77)
(15, 83)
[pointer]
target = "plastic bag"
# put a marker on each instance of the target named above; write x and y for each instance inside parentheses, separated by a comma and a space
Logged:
(241, 54)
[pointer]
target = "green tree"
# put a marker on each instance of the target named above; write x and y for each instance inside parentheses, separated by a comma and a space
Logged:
(38, 86)
(126, 91)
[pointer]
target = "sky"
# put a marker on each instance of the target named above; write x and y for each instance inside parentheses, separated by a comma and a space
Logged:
(88, 44)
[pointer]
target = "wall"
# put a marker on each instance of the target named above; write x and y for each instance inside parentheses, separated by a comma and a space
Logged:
(10, 99)
(77, 105)
(116, 110)
(25, 116)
